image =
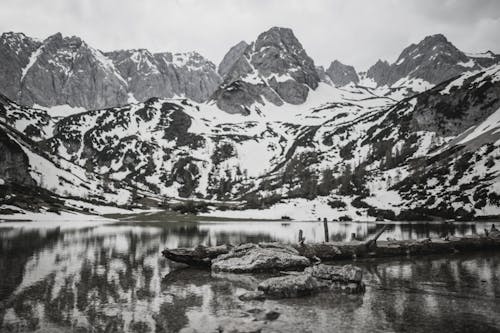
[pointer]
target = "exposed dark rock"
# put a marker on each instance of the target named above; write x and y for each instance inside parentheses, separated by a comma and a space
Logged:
(379, 72)
(341, 74)
(291, 286)
(279, 68)
(15, 53)
(14, 164)
(166, 74)
(66, 70)
(434, 59)
(231, 58)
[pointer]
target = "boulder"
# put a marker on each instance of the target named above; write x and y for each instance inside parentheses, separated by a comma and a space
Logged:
(291, 286)
(259, 258)
(254, 295)
(314, 279)
(346, 273)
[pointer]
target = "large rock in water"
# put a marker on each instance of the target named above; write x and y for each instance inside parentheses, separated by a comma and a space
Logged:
(259, 258)
(292, 286)
(346, 273)
(313, 280)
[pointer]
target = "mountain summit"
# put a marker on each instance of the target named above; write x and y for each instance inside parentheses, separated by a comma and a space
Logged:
(274, 68)
(67, 71)
(434, 60)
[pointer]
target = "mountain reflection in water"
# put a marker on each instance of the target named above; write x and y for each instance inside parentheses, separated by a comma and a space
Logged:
(111, 278)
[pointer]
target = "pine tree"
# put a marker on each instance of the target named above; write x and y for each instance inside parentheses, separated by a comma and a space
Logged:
(327, 182)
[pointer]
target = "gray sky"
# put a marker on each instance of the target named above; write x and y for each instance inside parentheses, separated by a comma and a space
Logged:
(357, 32)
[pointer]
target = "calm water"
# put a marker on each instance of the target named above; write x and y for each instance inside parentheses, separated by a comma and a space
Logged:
(90, 277)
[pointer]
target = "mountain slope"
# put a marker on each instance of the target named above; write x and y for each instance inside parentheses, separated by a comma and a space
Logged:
(278, 133)
(32, 180)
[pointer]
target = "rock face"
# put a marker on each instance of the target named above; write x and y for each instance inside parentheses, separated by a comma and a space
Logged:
(433, 60)
(231, 58)
(66, 70)
(379, 72)
(14, 164)
(341, 74)
(166, 74)
(275, 68)
(15, 53)
(485, 59)
(259, 258)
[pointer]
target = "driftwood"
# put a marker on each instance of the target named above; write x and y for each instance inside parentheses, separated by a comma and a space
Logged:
(198, 256)
(332, 251)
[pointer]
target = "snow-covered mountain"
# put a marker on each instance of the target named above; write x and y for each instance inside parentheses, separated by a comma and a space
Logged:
(67, 71)
(281, 137)
(423, 65)
(274, 69)
(32, 179)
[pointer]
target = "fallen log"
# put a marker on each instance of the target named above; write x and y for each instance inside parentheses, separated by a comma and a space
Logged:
(198, 256)
(332, 251)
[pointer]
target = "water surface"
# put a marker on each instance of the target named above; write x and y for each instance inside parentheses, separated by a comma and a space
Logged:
(88, 277)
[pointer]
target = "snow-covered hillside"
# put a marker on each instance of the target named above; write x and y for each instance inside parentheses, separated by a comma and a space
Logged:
(280, 137)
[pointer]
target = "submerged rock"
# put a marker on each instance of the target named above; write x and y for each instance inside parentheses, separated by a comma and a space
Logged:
(350, 288)
(254, 295)
(231, 325)
(272, 315)
(259, 258)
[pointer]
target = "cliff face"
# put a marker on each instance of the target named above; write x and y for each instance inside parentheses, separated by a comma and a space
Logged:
(14, 164)
(67, 71)
(341, 74)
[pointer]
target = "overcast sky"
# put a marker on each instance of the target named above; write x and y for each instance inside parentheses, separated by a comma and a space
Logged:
(356, 32)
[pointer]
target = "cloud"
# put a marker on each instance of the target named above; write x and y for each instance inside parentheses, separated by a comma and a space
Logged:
(356, 32)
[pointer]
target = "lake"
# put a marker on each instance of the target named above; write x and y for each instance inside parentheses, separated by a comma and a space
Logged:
(110, 277)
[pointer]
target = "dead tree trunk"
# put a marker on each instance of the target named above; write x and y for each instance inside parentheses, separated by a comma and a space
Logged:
(372, 242)
(325, 226)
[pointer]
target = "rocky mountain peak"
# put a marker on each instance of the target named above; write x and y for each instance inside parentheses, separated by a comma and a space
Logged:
(379, 72)
(341, 74)
(433, 48)
(274, 68)
(67, 70)
(17, 41)
(278, 51)
(277, 37)
(231, 57)
(15, 53)
(432, 60)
